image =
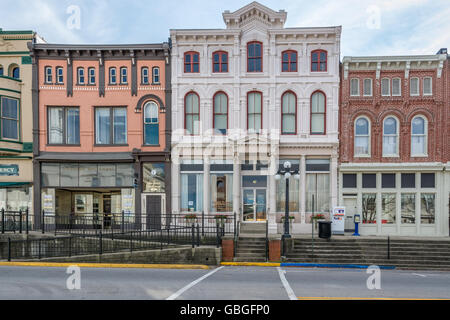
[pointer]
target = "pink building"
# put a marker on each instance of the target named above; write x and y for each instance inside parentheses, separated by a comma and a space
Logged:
(101, 139)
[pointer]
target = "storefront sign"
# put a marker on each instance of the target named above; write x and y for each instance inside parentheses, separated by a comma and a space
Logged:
(9, 170)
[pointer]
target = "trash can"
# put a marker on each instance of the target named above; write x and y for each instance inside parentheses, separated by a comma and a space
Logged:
(324, 229)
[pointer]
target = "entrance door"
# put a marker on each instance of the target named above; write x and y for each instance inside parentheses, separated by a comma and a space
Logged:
(153, 205)
(255, 205)
(350, 211)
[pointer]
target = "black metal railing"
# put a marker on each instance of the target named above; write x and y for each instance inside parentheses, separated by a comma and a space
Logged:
(267, 241)
(15, 221)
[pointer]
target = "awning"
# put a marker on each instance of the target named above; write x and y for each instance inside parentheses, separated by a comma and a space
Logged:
(14, 184)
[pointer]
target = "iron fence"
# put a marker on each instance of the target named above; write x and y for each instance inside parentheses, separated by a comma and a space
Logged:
(15, 221)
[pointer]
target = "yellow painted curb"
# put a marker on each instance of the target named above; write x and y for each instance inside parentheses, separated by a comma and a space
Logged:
(250, 264)
(102, 265)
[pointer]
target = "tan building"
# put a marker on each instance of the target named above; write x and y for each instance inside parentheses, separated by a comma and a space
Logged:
(16, 136)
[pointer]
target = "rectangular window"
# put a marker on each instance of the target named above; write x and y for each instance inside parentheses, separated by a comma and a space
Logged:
(354, 87)
(317, 189)
(369, 181)
(369, 208)
(192, 192)
(63, 125)
(50, 175)
(154, 178)
(427, 86)
(123, 76)
(254, 57)
(59, 75)
(48, 75)
(427, 208)
(367, 87)
(69, 175)
(385, 87)
(318, 165)
(408, 180)
(388, 180)
(221, 192)
(254, 116)
(111, 126)
(112, 76)
(9, 118)
(88, 175)
(414, 87)
(80, 76)
(388, 208)
(427, 180)
(155, 75)
(408, 208)
(349, 181)
(91, 76)
(396, 87)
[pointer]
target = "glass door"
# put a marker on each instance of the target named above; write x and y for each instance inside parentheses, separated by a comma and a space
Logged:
(249, 205)
(254, 205)
(261, 205)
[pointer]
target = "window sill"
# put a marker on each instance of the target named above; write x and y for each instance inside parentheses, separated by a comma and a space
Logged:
(363, 156)
(63, 145)
(391, 156)
(420, 156)
(156, 84)
(151, 145)
(110, 145)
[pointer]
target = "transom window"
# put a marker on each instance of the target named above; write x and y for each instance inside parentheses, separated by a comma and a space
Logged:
(192, 114)
(289, 61)
(63, 125)
(151, 123)
(191, 62)
(254, 111)
(254, 57)
(362, 137)
(9, 118)
(390, 137)
(220, 117)
(220, 61)
(111, 126)
(289, 113)
(318, 112)
(319, 61)
(419, 136)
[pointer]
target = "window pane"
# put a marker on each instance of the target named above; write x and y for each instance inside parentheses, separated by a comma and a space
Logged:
(408, 180)
(221, 193)
(388, 208)
(367, 87)
(50, 175)
(154, 178)
(369, 180)
(418, 145)
(427, 86)
(361, 145)
(107, 175)
(385, 87)
(349, 181)
(69, 175)
(390, 145)
(294, 191)
(55, 126)
(317, 165)
(120, 126)
(192, 192)
(220, 123)
(152, 134)
(396, 91)
(125, 175)
(354, 87)
(318, 102)
(88, 175)
(388, 180)
(418, 126)
(427, 208)
(414, 88)
(10, 129)
(369, 208)
(318, 123)
(288, 123)
(73, 126)
(408, 208)
(362, 126)
(103, 126)
(428, 180)
(390, 126)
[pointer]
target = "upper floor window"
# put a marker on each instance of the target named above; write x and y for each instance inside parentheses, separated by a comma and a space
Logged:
(318, 113)
(151, 124)
(15, 73)
(254, 111)
(156, 76)
(91, 72)
(289, 61)
(123, 75)
(396, 87)
(427, 86)
(191, 62)
(414, 87)
(220, 118)
(59, 75)
(254, 57)
(419, 136)
(144, 75)
(390, 137)
(9, 118)
(192, 114)
(319, 61)
(111, 126)
(354, 87)
(112, 75)
(289, 113)
(80, 76)
(362, 137)
(385, 87)
(1, 71)
(63, 125)
(48, 75)
(367, 88)
(220, 61)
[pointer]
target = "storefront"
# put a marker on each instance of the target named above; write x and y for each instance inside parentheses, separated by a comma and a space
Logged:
(16, 188)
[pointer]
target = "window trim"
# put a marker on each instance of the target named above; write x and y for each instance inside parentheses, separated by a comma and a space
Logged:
(110, 76)
(425, 135)
(369, 138)
(397, 135)
(319, 51)
(79, 83)
(255, 57)
(358, 81)
(192, 63)
(324, 113)
(262, 108)
(399, 87)
(145, 123)
(19, 122)
(57, 75)
(185, 113)
(64, 126)
(418, 87)
(90, 76)
(153, 76)
(122, 75)
(220, 53)
(46, 68)
(145, 83)
(289, 62)
(371, 87)
(296, 113)
(214, 110)
(111, 129)
(431, 87)
(13, 68)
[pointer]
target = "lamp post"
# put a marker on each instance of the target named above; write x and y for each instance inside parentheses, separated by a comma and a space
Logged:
(286, 172)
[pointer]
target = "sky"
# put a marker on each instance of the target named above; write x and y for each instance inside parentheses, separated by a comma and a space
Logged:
(369, 27)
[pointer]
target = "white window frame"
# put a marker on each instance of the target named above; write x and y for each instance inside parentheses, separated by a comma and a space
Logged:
(79, 76)
(90, 76)
(351, 87)
(425, 135)
(369, 137)
(58, 75)
(431, 86)
(156, 73)
(371, 87)
(145, 75)
(111, 76)
(122, 74)
(418, 87)
(389, 87)
(47, 75)
(399, 87)
(396, 135)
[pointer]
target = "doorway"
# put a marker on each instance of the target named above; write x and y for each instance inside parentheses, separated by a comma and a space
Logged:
(350, 205)
(153, 205)
(254, 205)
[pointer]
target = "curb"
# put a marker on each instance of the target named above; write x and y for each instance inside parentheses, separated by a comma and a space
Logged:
(340, 266)
(103, 265)
(250, 264)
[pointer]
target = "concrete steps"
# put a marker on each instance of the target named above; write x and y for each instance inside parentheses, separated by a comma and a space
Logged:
(251, 244)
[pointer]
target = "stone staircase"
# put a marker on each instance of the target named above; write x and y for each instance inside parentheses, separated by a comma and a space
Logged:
(251, 244)
(412, 254)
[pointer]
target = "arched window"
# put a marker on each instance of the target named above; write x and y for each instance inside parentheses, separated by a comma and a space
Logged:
(289, 113)
(220, 118)
(155, 75)
(318, 113)
(80, 76)
(15, 72)
(254, 57)
(362, 137)
(192, 114)
(151, 123)
(192, 62)
(123, 75)
(48, 75)
(289, 61)
(390, 137)
(220, 61)
(112, 75)
(254, 111)
(419, 136)
(59, 75)
(319, 61)
(144, 75)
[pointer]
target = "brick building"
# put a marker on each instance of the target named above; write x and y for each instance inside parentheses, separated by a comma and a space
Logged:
(393, 144)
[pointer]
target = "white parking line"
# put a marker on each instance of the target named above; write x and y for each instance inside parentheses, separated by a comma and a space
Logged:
(420, 275)
(190, 285)
(286, 285)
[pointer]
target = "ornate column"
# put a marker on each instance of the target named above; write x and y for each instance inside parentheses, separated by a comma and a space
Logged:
(272, 215)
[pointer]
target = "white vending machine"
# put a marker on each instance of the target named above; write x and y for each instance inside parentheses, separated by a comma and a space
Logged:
(338, 220)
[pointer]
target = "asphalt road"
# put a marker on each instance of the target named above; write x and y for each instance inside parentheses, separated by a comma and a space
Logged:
(224, 283)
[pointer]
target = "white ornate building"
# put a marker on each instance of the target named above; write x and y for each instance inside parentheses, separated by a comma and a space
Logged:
(245, 99)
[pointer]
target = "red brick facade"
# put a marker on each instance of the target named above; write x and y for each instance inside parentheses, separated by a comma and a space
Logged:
(446, 119)
(404, 107)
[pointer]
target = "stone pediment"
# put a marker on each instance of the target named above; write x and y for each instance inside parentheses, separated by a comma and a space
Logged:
(255, 13)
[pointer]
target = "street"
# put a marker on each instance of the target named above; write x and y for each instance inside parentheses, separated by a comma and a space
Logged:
(223, 283)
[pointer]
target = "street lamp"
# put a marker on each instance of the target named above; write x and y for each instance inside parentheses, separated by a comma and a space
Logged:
(287, 173)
